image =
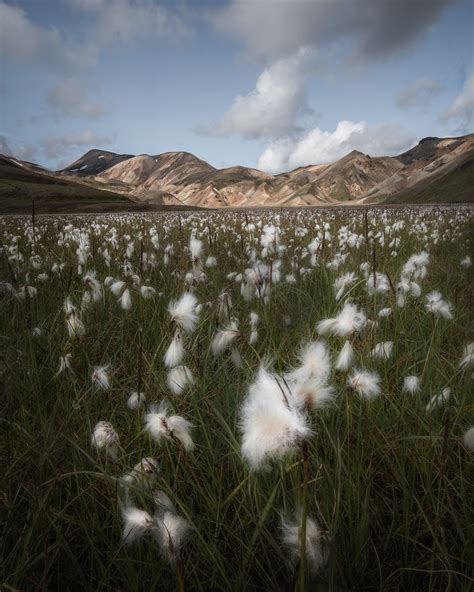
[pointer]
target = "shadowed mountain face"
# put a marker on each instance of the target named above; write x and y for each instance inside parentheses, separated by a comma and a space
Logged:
(436, 170)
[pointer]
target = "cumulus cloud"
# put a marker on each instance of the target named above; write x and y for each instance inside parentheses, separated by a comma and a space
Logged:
(274, 106)
(60, 146)
(418, 94)
(69, 99)
(461, 112)
(318, 147)
(374, 28)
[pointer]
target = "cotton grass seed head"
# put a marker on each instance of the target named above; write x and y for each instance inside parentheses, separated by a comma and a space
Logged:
(366, 384)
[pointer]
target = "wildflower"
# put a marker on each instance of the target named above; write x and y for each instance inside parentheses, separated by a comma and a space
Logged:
(342, 283)
(179, 379)
(385, 312)
(143, 475)
(75, 327)
(225, 337)
(136, 524)
(254, 319)
(437, 306)
(466, 262)
(271, 427)
(308, 383)
(117, 288)
(100, 377)
(171, 529)
(439, 400)
(147, 292)
(348, 321)
(160, 425)
(316, 555)
(383, 350)
(105, 437)
(65, 363)
(175, 353)
(125, 300)
(467, 360)
(93, 285)
(411, 384)
(135, 400)
(468, 439)
(345, 358)
(183, 313)
(211, 262)
(366, 384)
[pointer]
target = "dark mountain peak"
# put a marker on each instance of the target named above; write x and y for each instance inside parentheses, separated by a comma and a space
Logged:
(94, 162)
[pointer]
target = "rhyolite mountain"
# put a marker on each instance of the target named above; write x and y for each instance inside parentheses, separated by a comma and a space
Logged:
(435, 170)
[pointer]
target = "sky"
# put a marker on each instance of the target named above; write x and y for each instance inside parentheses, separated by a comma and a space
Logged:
(270, 84)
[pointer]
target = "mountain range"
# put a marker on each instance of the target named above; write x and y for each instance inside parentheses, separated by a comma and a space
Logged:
(435, 170)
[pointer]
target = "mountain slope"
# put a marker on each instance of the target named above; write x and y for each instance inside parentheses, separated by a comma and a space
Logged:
(22, 183)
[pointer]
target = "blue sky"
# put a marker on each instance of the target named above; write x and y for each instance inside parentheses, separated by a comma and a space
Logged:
(273, 84)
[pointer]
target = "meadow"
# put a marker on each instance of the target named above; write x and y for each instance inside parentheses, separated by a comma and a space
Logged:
(230, 401)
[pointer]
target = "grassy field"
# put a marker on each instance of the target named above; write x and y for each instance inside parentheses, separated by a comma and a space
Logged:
(290, 454)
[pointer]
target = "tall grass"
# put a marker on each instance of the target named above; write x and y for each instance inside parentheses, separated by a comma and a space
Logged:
(390, 484)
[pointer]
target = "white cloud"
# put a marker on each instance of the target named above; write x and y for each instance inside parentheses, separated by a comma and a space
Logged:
(272, 109)
(127, 21)
(462, 108)
(24, 42)
(375, 28)
(60, 146)
(418, 94)
(69, 99)
(19, 150)
(318, 147)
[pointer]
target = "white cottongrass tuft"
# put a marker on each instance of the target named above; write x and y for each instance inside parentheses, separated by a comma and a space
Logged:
(143, 476)
(345, 359)
(382, 351)
(438, 400)
(385, 312)
(175, 353)
(104, 437)
(147, 292)
(135, 400)
(308, 382)
(125, 300)
(348, 321)
(254, 320)
(365, 383)
(467, 360)
(437, 306)
(468, 439)
(316, 555)
(342, 283)
(100, 377)
(136, 524)
(411, 384)
(179, 379)
(65, 364)
(183, 312)
(161, 426)
(117, 288)
(225, 337)
(271, 426)
(466, 262)
(171, 529)
(74, 325)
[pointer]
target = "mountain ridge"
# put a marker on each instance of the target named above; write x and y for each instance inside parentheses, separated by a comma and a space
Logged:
(180, 178)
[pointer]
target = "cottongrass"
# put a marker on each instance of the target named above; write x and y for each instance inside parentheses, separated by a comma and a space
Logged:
(366, 384)
(162, 426)
(411, 384)
(316, 554)
(468, 439)
(179, 379)
(271, 426)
